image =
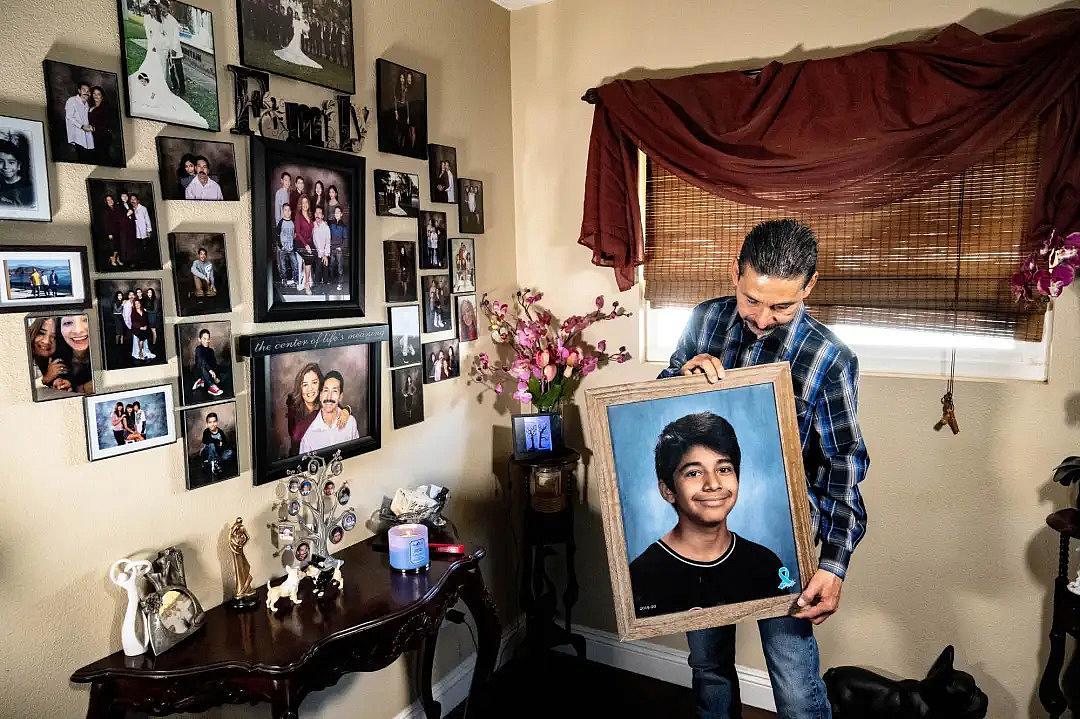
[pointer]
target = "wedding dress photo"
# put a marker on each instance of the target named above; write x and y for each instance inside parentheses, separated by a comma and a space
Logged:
(148, 91)
(292, 52)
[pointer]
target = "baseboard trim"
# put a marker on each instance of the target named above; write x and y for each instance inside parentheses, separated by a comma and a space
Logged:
(666, 664)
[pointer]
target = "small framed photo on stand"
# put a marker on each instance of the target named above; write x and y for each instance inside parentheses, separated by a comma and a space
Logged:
(536, 435)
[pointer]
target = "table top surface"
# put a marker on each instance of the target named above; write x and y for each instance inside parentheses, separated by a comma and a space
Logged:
(278, 642)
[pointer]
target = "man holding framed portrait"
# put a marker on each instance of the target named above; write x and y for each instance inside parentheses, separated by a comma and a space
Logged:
(766, 321)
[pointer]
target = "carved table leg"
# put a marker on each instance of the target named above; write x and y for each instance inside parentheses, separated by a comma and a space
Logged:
(1050, 694)
(432, 708)
(101, 706)
(285, 704)
(488, 628)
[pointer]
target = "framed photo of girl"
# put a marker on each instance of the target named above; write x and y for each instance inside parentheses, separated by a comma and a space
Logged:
(680, 456)
(313, 392)
(24, 174)
(83, 106)
(44, 278)
(308, 227)
(61, 365)
(129, 421)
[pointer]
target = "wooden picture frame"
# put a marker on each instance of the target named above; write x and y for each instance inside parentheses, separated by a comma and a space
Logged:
(280, 362)
(625, 422)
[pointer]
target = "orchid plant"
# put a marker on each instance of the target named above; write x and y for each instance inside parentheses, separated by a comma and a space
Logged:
(549, 357)
(1048, 269)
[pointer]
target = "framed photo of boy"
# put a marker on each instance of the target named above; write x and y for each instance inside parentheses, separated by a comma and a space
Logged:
(123, 225)
(315, 391)
(24, 174)
(206, 368)
(680, 455)
(308, 226)
(40, 278)
(83, 106)
(210, 444)
(200, 273)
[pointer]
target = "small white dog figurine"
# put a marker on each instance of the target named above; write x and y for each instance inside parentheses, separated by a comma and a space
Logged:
(314, 572)
(288, 588)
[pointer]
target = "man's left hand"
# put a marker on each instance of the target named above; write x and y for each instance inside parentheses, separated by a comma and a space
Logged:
(821, 597)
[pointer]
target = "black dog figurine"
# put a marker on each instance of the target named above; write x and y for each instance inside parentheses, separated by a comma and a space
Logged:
(946, 693)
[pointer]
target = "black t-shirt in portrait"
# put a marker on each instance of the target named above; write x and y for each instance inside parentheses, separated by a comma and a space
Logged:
(664, 582)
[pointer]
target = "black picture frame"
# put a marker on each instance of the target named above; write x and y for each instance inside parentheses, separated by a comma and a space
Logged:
(188, 302)
(407, 353)
(407, 413)
(432, 257)
(520, 424)
(387, 204)
(172, 151)
(470, 219)
(399, 271)
(450, 348)
(195, 55)
(198, 472)
(82, 295)
(438, 310)
(270, 304)
(119, 355)
(188, 335)
(438, 154)
(142, 256)
(262, 348)
(55, 70)
(391, 139)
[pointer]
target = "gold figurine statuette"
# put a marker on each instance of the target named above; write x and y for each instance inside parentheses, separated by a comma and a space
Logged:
(244, 598)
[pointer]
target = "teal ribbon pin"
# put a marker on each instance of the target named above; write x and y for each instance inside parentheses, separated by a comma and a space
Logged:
(786, 582)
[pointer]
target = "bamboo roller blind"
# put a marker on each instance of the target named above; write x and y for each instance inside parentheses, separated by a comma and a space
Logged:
(894, 265)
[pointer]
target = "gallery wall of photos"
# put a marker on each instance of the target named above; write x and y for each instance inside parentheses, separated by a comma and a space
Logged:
(102, 303)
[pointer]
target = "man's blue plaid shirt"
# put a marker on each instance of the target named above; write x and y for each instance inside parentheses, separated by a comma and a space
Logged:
(825, 375)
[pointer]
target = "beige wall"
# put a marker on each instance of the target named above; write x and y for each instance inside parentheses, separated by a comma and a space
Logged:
(66, 520)
(957, 550)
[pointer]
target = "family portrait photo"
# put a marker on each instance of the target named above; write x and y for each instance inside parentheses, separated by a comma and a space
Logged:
(197, 169)
(129, 421)
(213, 454)
(399, 270)
(471, 206)
(442, 172)
(205, 352)
(681, 457)
(200, 273)
(397, 194)
(435, 290)
(60, 359)
(401, 103)
(123, 225)
(170, 72)
(463, 264)
(83, 107)
(24, 176)
(307, 40)
(404, 335)
(408, 389)
(131, 313)
(441, 361)
(44, 278)
(431, 235)
(308, 229)
(467, 330)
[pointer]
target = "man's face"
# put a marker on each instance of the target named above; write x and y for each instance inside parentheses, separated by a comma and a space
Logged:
(318, 214)
(706, 487)
(300, 185)
(765, 302)
(211, 423)
(285, 181)
(9, 167)
(84, 91)
(330, 395)
(203, 168)
(134, 201)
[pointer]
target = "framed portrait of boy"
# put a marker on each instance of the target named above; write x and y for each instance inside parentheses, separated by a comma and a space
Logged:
(313, 392)
(206, 368)
(200, 266)
(681, 456)
(308, 225)
(24, 174)
(210, 444)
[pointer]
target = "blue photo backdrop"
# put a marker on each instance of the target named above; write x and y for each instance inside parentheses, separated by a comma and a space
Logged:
(761, 514)
(152, 404)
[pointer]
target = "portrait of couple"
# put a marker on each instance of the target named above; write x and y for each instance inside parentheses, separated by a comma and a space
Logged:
(402, 108)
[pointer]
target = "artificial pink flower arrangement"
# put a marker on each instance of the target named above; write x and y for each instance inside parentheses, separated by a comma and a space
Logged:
(550, 357)
(1047, 270)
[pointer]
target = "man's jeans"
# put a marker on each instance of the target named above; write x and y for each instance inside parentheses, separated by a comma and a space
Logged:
(791, 654)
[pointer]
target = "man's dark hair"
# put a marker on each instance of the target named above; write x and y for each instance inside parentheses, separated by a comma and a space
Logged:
(82, 83)
(703, 429)
(203, 158)
(212, 414)
(201, 249)
(133, 196)
(204, 331)
(284, 175)
(780, 248)
(334, 374)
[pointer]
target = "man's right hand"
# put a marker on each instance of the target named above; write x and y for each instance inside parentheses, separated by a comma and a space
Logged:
(706, 364)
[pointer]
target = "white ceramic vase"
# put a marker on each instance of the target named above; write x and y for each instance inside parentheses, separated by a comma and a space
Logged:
(125, 573)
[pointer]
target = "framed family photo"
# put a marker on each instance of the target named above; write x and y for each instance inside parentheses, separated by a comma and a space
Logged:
(123, 225)
(83, 107)
(306, 41)
(471, 206)
(131, 312)
(442, 173)
(431, 234)
(308, 226)
(441, 361)
(129, 421)
(44, 278)
(315, 392)
(679, 455)
(401, 104)
(404, 335)
(210, 444)
(408, 389)
(200, 268)
(397, 194)
(61, 364)
(437, 308)
(399, 270)
(206, 366)
(197, 169)
(24, 174)
(170, 71)
(463, 264)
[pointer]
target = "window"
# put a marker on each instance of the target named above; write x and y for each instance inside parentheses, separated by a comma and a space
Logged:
(902, 284)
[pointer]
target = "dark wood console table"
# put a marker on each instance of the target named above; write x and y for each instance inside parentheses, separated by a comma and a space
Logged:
(1066, 620)
(280, 657)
